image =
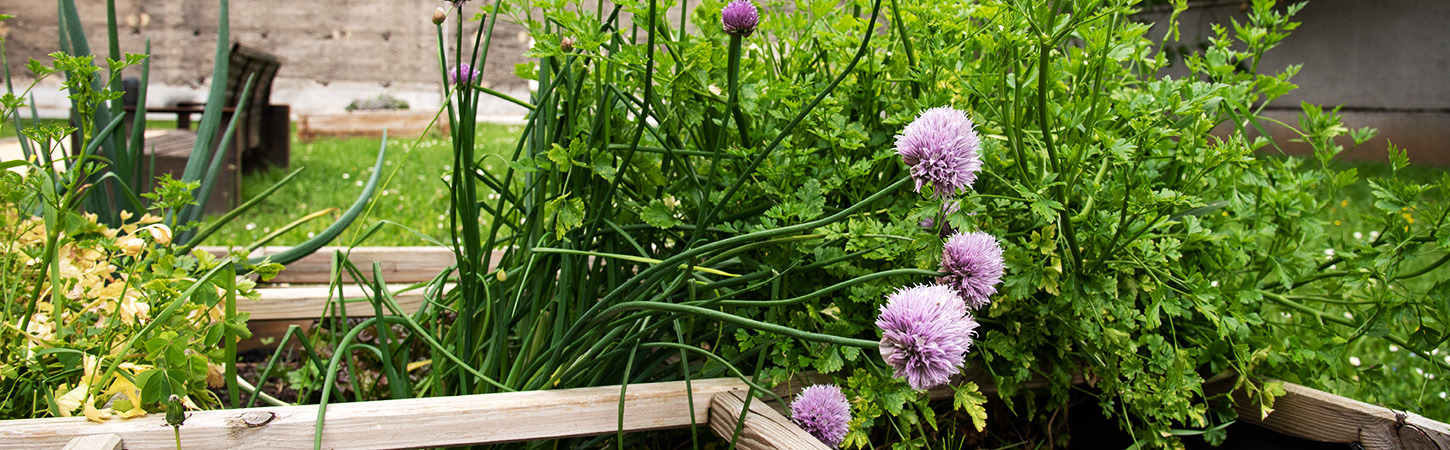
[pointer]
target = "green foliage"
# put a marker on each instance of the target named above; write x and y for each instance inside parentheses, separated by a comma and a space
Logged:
(742, 198)
(107, 322)
(381, 102)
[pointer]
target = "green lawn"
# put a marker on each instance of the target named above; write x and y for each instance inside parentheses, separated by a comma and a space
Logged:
(333, 174)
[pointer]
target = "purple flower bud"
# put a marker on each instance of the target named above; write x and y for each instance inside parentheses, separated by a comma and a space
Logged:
(941, 147)
(463, 73)
(823, 412)
(947, 209)
(739, 18)
(974, 264)
(925, 334)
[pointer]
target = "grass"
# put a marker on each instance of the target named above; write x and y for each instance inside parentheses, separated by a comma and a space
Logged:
(1416, 385)
(334, 172)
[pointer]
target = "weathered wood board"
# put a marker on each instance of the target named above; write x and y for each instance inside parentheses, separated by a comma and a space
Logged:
(409, 423)
(309, 302)
(764, 428)
(1320, 416)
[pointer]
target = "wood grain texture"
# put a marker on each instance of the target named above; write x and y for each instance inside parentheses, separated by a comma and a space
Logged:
(764, 428)
(399, 264)
(308, 302)
(1320, 416)
(95, 442)
(409, 423)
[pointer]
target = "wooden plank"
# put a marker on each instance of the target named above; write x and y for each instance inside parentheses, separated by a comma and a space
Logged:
(399, 264)
(95, 442)
(407, 423)
(409, 124)
(1315, 415)
(307, 302)
(763, 429)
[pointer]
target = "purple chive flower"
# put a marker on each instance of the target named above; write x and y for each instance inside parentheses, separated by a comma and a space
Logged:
(947, 209)
(464, 73)
(941, 147)
(973, 262)
(823, 412)
(739, 18)
(925, 334)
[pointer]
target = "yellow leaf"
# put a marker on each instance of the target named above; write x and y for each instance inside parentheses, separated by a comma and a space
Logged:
(69, 401)
(96, 414)
(416, 364)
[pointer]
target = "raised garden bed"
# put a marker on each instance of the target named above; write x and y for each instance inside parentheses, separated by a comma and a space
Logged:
(1301, 413)
(397, 123)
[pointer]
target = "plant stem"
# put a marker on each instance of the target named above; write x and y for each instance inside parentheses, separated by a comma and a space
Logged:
(1064, 220)
(744, 322)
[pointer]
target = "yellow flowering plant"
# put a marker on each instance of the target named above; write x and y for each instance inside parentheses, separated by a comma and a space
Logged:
(108, 322)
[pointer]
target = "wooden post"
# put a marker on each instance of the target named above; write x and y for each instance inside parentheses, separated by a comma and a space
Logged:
(764, 428)
(95, 442)
(408, 423)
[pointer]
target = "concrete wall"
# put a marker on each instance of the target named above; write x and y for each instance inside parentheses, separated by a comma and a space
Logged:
(1387, 63)
(333, 51)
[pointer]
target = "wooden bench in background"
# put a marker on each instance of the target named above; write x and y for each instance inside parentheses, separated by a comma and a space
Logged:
(262, 136)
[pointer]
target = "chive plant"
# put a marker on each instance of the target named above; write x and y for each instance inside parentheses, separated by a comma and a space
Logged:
(655, 225)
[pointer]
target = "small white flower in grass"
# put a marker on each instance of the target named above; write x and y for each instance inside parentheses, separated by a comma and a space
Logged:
(1435, 352)
(1333, 266)
(1347, 315)
(311, 235)
(1213, 283)
(359, 183)
(1374, 234)
(1442, 395)
(1329, 252)
(267, 230)
(1354, 361)
(1394, 348)
(1419, 371)
(251, 226)
(346, 175)
(1358, 235)
(1430, 376)
(1447, 359)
